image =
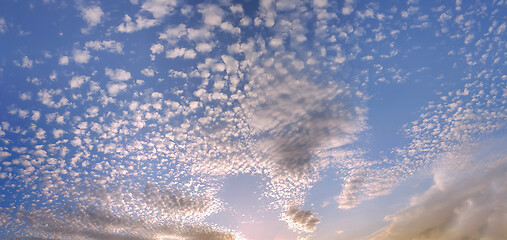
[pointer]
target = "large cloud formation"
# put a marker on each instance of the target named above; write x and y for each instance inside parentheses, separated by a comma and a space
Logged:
(470, 206)
(100, 220)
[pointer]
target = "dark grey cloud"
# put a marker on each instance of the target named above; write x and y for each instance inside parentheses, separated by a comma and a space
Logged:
(301, 220)
(298, 118)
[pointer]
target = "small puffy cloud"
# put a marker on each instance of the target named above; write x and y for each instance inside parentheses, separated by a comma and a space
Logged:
(173, 34)
(114, 89)
(3, 25)
(92, 111)
(159, 8)
(64, 60)
(181, 52)
(77, 81)
(348, 8)
(57, 133)
(117, 74)
(319, 3)
(228, 27)
(301, 220)
(148, 72)
(276, 42)
(110, 46)
(81, 56)
(35, 115)
(25, 62)
(25, 96)
(204, 47)
(141, 23)
(211, 13)
(157, 48)
(92, 16)
(4, 154)
(237, 8)
(199, 34)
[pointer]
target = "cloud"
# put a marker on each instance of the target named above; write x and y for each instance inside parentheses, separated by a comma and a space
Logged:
(212, 14)
(159, 8)
(176, 202)
(148, 72)
(77, 81)
(204, 47)
(116, 88)
(173, 34)
(141, 23)
(64, 60)
(3, 25)
(467, 205)
(157, 48)
(117, 74)
(350, 194)
(180, 52)
(301, 118)
(92, 15)
(348, 7)
(301, 220)
(109, 45)
(25, 62)
(81, 56)
(100, 220)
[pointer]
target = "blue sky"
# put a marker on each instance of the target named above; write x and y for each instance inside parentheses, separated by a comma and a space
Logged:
(271, 119)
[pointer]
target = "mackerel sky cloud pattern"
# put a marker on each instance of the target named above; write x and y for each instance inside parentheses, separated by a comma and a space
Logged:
(260, 119)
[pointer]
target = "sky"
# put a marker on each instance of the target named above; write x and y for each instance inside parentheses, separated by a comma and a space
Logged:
(270, 119)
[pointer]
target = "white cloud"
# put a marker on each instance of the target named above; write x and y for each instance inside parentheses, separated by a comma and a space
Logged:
(64, 60)
(159, 8)
(92, 15)
(148, 72)
(116, 88)
(4, 154)
(211, 13)
(237, 8)
(157, 48)
(25, 62)
(276, 42)
(57, 133)
(199, 34)
(227, 26)
(173, 34)
(35, 115)
(25, 96)
(320, 3)
(81, 56)
(181, 52)
(92, 111)
(110, 45)
(3, 25)
(77, 81)
(141, 23)
(204, 47)
(348, 8)
(117, 74)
